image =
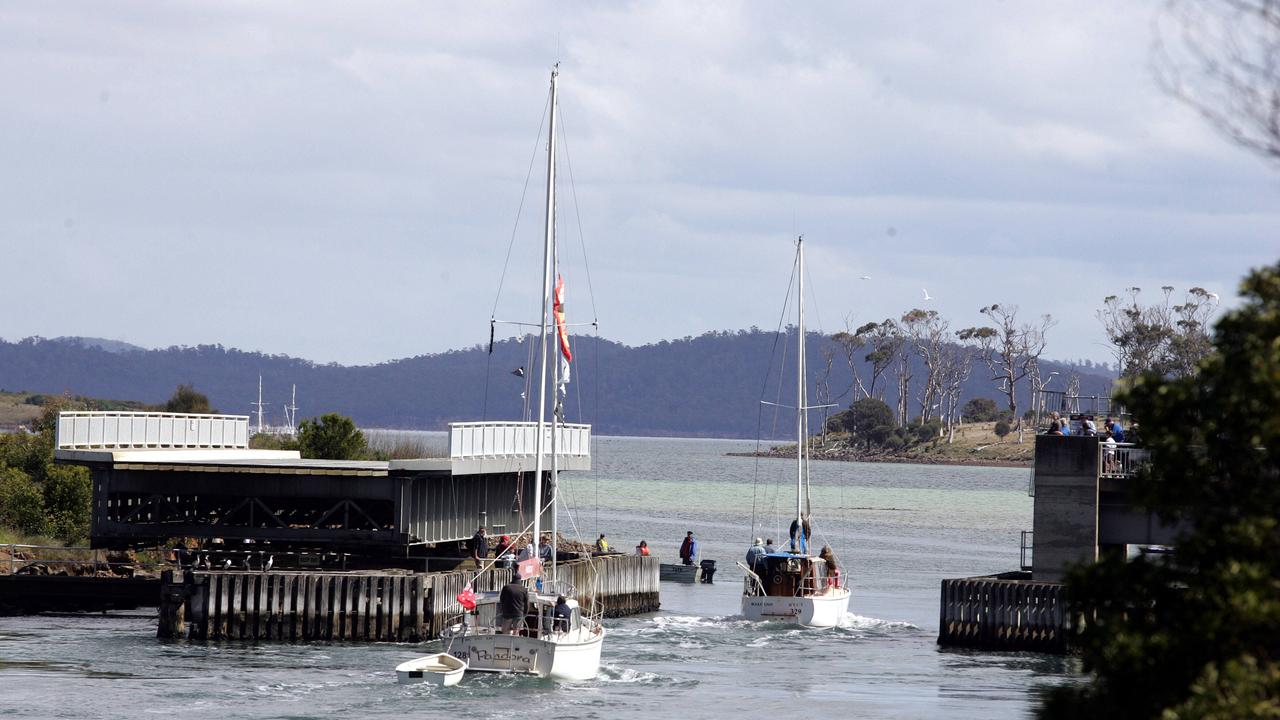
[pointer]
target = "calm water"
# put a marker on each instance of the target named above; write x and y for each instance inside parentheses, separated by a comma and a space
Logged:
(899, 529)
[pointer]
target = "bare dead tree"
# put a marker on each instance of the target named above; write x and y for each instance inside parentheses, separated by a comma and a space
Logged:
(1222, 58)
(902, 374)
(926, 333)
(850, 342)
(1009, 350)
(955, 367)
(823, 387)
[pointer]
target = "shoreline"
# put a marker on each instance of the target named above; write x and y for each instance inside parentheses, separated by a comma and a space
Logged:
(899, 459)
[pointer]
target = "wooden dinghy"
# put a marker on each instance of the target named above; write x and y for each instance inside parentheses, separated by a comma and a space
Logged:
(672, 572)
(441, 669)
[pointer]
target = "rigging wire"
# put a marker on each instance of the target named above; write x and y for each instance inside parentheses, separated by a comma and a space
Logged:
(764, 387)
(484, 414)
(595, 315)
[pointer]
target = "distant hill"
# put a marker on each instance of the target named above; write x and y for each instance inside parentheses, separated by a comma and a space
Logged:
(115, 346)
(699, 386)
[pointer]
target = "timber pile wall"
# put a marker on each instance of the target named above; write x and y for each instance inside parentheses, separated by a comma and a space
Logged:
(992, 613)
(370, 607)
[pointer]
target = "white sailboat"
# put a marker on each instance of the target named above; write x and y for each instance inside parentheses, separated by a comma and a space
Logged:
(565, 649)
(796, 585)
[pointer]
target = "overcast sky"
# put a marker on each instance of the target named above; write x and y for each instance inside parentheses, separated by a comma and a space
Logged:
(340, 181)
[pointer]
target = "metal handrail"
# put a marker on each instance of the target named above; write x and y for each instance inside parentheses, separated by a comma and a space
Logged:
(1121, 460)
(1026, 546)
(749, 575)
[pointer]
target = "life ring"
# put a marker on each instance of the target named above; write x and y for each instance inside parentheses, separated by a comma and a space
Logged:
(777, 578)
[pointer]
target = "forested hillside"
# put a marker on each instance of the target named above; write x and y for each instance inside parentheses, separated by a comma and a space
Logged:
(704, 386)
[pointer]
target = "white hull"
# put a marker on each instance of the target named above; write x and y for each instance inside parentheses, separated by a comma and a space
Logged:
(441, 669)
(818, 611)
(560, 656)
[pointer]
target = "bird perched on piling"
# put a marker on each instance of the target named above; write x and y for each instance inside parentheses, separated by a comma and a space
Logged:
(271, 560)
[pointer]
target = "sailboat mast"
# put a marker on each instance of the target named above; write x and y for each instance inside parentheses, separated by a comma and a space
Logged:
(547, 258)
(800, 395)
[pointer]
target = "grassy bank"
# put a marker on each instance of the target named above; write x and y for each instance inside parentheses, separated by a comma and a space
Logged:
(974, 444)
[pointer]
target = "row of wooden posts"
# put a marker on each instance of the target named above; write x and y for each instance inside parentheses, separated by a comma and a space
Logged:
(993, 613)
(382, 606)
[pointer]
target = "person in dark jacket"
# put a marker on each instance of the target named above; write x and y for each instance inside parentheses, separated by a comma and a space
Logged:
(689, 548)
(561, 615)
(513, 605)
(479, 545)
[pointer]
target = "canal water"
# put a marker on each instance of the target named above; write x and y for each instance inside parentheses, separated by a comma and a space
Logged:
(898, 529)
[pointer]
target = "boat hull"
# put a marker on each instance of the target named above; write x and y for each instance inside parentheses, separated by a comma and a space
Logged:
(441, 669)
(818, 611)
(567, 656)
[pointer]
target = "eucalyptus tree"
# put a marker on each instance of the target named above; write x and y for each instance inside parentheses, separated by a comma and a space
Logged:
(1010, 350)
(1163, 337)
(926, 334)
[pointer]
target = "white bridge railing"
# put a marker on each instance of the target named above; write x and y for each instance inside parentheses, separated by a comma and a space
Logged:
(515, 439)
(1120, 460)
(151, 430)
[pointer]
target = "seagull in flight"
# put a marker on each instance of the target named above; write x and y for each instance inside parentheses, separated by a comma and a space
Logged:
(926, 294)
(1214, 295)
(866, 277)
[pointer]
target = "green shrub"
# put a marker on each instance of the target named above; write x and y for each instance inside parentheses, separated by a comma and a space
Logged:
(332, 437)
(21, 503)
(1002, 428)
(68, 497)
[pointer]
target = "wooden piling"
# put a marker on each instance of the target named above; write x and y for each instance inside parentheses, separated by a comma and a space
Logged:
(385, 606)
(1002, 613)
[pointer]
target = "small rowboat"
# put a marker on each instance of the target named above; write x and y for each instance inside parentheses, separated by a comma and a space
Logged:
(441, 669)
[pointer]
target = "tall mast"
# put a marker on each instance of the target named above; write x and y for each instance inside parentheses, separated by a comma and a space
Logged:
(800, 394)
(259, 403)
(548, 251)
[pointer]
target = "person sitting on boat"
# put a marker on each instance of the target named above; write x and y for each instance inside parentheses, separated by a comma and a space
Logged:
(800, 543)
(479, 546)
(513, 605)
(755, 555)
(689, 548)
(602, 545)
(833, 570)
(560, 616)
(642, 549)
(769, 547)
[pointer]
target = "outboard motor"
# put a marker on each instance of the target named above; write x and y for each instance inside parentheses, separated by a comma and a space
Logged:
(708, 570)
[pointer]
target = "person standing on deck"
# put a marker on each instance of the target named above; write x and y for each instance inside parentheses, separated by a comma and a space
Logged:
(689, 548)
(769, 547)
(755, 555)
(479, 546)
(513, 605)
(642, 549)
(602, 545)
(799, 539)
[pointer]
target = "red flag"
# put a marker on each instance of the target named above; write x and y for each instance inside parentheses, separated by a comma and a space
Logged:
(467, 598)
(557, 306)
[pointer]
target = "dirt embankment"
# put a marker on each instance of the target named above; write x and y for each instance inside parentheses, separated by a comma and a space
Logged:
(972, 444)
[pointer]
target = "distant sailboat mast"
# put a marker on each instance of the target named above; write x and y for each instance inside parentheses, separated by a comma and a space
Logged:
(261, 426)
